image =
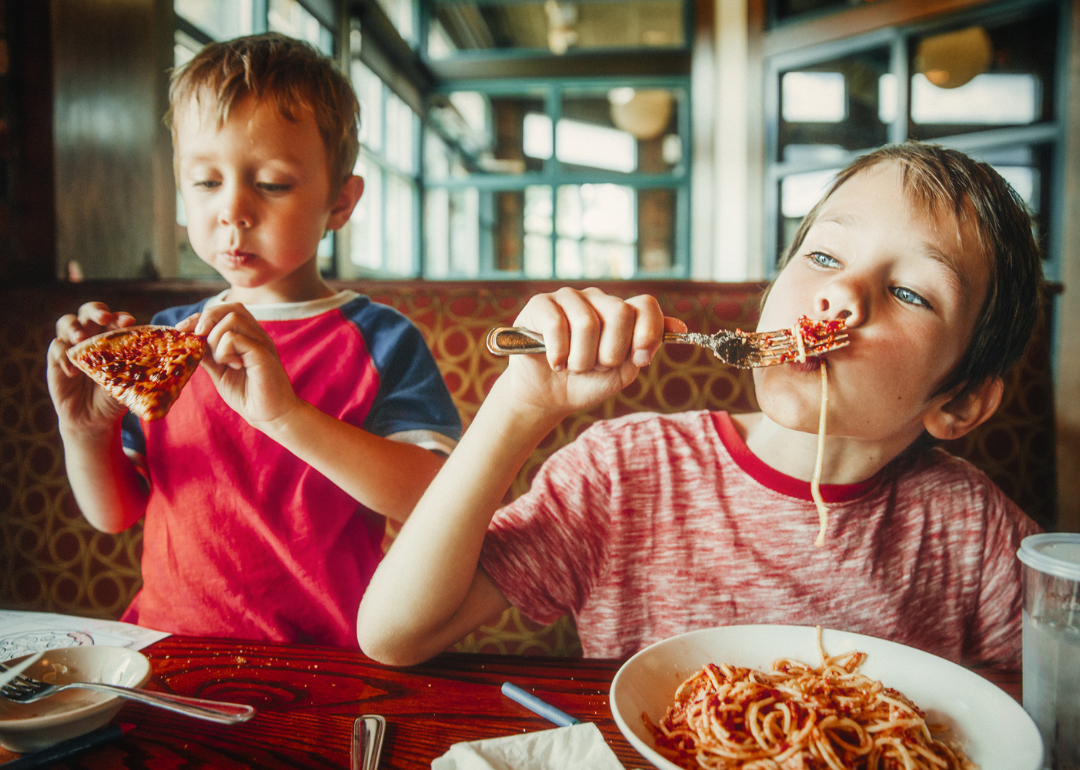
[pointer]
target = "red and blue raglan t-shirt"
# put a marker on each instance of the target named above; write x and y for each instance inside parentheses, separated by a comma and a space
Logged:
(241, 538)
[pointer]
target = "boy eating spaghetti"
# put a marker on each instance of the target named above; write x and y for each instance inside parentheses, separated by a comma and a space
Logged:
(651, 525)
(315, 412)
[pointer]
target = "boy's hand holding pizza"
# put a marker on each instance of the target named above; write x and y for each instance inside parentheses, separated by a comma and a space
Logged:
(81, 404)
(243, 364)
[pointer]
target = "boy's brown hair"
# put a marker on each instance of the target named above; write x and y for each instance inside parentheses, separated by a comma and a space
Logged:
(290, 72)
(945, 180)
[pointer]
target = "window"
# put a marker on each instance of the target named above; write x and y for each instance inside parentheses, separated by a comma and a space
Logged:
(561, 180)
(541, 163)
(982, 82)
(383, 234)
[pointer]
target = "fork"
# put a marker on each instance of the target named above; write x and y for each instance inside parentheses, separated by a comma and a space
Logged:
(746, 350)
(24, 689)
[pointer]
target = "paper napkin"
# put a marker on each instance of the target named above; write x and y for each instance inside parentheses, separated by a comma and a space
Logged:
(578, 747)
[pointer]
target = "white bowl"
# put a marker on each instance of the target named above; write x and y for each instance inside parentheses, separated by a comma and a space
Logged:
(34, 726)
(995, 732)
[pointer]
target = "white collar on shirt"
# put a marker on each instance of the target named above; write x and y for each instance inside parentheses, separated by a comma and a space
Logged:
(291, 311)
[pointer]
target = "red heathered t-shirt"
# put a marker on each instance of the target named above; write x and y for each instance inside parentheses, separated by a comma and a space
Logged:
(651, 525)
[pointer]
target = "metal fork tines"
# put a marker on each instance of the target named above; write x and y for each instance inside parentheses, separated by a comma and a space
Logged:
(746, 350)
(24, 689)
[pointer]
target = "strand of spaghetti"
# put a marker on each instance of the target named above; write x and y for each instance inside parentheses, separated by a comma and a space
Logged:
(815, 482)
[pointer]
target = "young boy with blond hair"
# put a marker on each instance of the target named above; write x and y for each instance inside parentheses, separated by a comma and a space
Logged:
(316, 414)
(652, 525)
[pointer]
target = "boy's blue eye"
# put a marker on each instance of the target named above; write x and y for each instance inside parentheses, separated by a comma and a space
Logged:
(907, 295)
(272, 187)
(823, 260)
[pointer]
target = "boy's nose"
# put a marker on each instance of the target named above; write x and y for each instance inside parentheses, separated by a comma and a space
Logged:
(236, 211)
(842, 299)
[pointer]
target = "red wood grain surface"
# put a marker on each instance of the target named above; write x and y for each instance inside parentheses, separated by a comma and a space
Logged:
(308, 697)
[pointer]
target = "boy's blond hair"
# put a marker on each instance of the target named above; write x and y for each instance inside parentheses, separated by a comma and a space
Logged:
(290, 72)
(948, 181)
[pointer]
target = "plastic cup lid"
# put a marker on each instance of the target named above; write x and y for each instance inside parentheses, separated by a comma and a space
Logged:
(1055, 553)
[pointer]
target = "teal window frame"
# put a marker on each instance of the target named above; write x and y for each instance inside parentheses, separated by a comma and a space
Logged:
(554, 175)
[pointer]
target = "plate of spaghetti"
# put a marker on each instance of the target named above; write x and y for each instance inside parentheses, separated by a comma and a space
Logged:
(794, 697)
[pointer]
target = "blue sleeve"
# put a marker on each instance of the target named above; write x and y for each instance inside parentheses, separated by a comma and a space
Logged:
(412, 393)
(130, 430)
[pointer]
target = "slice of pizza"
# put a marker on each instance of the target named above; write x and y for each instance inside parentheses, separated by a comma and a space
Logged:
(142, 367)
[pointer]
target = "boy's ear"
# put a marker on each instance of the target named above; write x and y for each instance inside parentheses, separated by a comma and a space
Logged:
(346, 201)
(956, 415)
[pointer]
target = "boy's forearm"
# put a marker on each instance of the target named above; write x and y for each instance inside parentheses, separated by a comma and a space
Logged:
(106, 486)
(386, 476)
(428, 593)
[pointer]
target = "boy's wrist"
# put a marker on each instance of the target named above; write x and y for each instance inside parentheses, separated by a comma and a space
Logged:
(522, 413)
(89, 436)
(281, 426)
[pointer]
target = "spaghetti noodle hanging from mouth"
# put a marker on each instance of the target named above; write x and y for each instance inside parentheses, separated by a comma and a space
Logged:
(815, 482)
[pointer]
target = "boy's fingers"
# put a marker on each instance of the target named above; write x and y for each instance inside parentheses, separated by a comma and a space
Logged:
(94, 317)
(649, 327)
(215, 321)
(585, 327)
(57, 354)
(542, 314)
(94, 312)
(188, 324)
(617, 336)
(228, 350)
(674, 325)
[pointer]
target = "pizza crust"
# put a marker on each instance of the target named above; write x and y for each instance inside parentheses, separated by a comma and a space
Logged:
(142, 367)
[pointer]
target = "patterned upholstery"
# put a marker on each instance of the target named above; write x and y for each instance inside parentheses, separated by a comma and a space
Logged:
(52, 560)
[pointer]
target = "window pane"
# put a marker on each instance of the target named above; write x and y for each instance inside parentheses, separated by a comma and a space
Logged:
(986, 100)
(440, 161)
(487, 133)
(452, 233)
(366, 230)
(596, 228)
(836, 105)
(554, 26)
(400, 134)
(291, 18)
(220, 20)
(622, 129)
(369, 92)
(982, 77)
(399, 225)
(538, 225)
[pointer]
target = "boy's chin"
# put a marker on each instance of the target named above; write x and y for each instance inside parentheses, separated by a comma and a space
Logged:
(792, 414)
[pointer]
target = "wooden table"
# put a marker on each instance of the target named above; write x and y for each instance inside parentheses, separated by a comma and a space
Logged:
(308, 697)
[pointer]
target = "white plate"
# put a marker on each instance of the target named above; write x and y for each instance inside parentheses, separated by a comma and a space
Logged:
(34, 726)
(994, 730)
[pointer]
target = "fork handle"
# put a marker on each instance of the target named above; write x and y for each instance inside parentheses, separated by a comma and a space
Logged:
(211, 710)
(512, 340)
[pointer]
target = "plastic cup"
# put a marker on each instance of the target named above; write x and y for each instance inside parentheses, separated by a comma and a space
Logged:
(1051, 574)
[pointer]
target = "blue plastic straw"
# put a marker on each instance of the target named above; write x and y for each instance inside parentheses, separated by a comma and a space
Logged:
(537, 706)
